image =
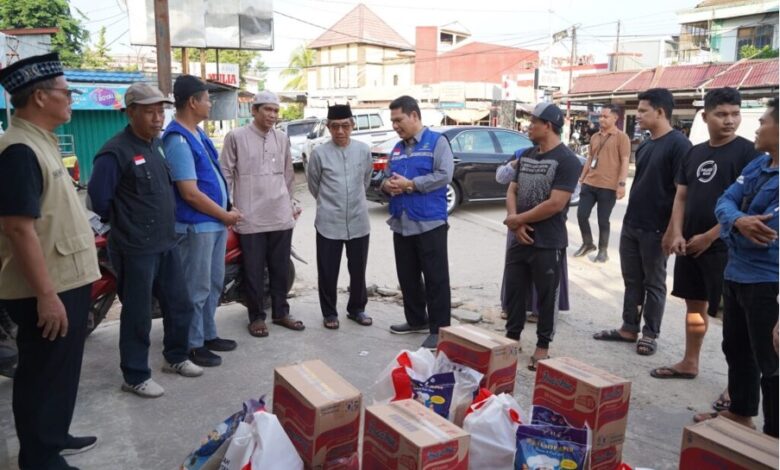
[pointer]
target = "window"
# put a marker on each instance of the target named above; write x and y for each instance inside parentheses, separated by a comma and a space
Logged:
(361, 122)
(446, 38)
(395, 80)
(374, 121)
(340, 78)
(758, 36)
(511, 142)
(696, 35)
(473, 142)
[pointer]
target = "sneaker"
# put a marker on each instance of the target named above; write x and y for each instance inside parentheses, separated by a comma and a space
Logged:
(431, 342)
(601, 257)
(184, 368)
(584, 250)
(77, 445)
(405, 329)
(146, 389)
(204, 358)
(219, 344)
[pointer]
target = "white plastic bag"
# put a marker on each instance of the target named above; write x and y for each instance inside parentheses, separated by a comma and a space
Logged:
(273, 448)
(239, 452)
(493, 426)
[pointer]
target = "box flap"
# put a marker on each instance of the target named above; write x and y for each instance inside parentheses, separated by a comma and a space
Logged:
(583, 372)
(752, 444)
(417, 423)
(320, 384)
(478, 335)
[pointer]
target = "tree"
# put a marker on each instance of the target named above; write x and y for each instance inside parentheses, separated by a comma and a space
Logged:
(291, 112)
(248, 61)
(752, 52)
(68, 42)
(300, 60)
(97, 57)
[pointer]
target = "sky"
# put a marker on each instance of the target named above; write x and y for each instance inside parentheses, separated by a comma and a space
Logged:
(518, 23)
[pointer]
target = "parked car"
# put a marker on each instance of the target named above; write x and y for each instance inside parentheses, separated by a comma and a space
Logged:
(298, 130)
(478, 151)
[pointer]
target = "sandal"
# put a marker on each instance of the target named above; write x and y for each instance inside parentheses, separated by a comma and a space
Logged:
(700, 417)
(670, 373)
(289, 322)
(258, 329)
(534, 361)
(723, 402)
(360, 318)
(612, 335)
(331, 323)
(646, 346)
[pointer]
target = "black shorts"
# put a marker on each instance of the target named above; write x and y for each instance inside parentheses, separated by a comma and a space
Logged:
(700, 278)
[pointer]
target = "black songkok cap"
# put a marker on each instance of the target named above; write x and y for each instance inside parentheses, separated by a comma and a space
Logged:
(30, 71)
(339, 111)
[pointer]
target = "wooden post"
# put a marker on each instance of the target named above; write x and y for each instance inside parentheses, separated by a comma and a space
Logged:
(203, 64)
(163, 43)
(185, 61)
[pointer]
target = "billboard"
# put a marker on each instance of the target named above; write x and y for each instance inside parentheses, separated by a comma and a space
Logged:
(207, 24)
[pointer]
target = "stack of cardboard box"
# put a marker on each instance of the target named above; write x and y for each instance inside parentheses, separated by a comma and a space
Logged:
(585, 395)
(721, 443)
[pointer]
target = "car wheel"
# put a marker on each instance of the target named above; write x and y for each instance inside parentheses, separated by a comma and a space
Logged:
(453, 197)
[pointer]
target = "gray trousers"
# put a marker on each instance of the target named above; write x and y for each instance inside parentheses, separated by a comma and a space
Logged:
(643, 265)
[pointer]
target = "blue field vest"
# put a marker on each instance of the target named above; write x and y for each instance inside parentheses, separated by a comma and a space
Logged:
(418, 206)
(208, 183)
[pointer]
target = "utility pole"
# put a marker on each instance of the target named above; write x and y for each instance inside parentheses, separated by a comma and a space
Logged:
(571, 67)
(163, 44)
(617, 39)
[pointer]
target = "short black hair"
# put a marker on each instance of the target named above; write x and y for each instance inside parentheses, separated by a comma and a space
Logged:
(21, 98)
(613, 108)
(773, 106)
(659, 98)
(407, 104)
(180, 102)
(719, 96)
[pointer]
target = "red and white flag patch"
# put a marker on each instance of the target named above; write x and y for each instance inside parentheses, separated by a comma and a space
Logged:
(139, 160)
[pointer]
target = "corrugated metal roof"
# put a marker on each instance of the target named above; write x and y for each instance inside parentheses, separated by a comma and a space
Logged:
(600, 81)
(361, 26)
(103, 76)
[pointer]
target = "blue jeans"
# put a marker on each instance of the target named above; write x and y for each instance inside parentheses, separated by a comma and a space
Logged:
(203, 259)
(138, 277)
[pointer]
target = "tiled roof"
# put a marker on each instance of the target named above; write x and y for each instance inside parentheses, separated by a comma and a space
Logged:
(476, 48)
(361, 26)
(754, 73)
(103, 76)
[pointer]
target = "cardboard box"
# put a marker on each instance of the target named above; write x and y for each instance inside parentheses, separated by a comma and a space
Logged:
(487, 352)
(723, 444)
(319, 410)
(584, 395)
(406, 435)
(606, 458)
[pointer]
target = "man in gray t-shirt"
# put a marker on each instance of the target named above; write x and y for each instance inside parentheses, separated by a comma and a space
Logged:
(338, 174)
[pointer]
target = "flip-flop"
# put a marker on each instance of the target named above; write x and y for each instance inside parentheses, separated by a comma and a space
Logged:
(722, 403)
(361, 318)
(534, 361)
(289, 322)
(701, 417)
(670, 373)
(331, 323)
(646, 346)
(258, 329)
(612, 335)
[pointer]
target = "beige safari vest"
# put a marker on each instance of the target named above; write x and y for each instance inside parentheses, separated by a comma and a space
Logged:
(63, 229)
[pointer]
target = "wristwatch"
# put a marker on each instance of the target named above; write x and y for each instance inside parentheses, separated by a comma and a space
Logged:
(622, 184)
(409, 189)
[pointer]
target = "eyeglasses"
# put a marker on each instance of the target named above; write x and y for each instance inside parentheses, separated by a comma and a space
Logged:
(345, 126)
(69, 92)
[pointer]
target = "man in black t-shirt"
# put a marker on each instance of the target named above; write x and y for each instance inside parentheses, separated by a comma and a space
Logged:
(536, 204)
(694, 233)
(642, 260)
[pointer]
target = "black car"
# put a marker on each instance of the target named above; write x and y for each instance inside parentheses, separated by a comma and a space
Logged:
(478, 151)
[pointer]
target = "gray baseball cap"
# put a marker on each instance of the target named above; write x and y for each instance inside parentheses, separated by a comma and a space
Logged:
(144, 93)
(266, 97)
(550, 113)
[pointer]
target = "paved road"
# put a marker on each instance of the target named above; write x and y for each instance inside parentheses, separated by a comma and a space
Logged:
(157, 434)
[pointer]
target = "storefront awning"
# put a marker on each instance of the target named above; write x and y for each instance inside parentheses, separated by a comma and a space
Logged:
(466, 115)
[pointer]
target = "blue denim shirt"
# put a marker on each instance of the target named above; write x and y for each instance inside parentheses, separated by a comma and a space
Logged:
(748, 262)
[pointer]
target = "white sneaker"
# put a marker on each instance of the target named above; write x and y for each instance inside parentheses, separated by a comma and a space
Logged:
(147, 389)
(186, 368)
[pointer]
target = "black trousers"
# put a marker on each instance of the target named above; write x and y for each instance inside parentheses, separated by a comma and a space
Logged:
(139, 276)
(590, 196)
(643, 265)
(328, 266)
(271, 249)
(527, 268)
(749, 315)
(424, 256)
(47, 379)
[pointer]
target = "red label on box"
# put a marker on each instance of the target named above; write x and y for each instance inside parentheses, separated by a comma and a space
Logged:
(697, 459)
(477, 360)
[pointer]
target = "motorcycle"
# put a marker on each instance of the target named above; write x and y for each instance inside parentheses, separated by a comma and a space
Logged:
(104, 290)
